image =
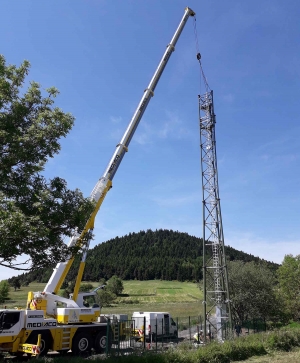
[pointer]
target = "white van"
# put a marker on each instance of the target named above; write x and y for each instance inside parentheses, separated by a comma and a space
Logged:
(154, 324)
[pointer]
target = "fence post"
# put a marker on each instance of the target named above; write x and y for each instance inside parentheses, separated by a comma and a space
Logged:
(132, 333)
(144, 331)
(162, 337)
(119, 324)
(156, 336)
(150, 336)
(177, 329)
(190, 328)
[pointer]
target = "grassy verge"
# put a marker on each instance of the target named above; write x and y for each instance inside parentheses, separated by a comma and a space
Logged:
(257, 348)
(241, 349)
(276, 357)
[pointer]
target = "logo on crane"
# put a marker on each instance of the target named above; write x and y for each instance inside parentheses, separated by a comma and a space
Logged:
(40, 324)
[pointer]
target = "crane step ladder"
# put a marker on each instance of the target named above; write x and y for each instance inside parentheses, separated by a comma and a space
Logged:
(66, 338)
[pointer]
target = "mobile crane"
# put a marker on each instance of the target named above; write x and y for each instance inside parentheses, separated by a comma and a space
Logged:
(63, 324)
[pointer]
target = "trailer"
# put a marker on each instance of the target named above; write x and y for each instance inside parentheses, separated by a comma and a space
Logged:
(154, 325)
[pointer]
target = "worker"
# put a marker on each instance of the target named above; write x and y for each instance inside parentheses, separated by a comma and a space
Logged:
(238, 329)
(198, 337)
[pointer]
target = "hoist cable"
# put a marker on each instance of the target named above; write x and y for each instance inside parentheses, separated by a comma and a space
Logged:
(202, 75)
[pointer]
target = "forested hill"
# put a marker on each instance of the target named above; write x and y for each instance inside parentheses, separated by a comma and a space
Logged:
(160, 254)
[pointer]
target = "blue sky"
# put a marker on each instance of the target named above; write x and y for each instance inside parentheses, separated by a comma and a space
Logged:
(101, 55)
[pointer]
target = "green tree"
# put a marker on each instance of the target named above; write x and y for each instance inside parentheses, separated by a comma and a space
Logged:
(16, 284)
(252, 291)
(102, 281)
(115, 285)
(105, 297)
(289, 288)
(35, 213)
(86, 287)
(4, 290)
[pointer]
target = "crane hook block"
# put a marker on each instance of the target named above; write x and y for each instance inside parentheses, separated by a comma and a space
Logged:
(198, 56)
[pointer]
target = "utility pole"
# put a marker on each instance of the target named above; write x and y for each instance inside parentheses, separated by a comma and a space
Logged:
(216, 300)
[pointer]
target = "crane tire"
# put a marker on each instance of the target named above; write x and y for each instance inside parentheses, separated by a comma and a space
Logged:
(100, 343)
(81, 343)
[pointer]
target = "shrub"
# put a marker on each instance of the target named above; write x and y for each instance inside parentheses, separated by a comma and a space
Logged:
(283, 340)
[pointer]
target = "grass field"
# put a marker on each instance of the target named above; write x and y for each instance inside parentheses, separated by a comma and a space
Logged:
(278, 357)
(181, 299)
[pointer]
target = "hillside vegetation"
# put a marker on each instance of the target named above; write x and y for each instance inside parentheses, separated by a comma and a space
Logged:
(150, 255)
(181, 299)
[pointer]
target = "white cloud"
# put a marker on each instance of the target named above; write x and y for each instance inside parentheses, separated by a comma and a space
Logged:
(115, 119)
(169, 127)
(117, 133)
(279, 153)
(144, 134)
(273, 251)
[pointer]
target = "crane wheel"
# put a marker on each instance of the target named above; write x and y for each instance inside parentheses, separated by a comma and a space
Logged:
(101, 342)
(81, 344)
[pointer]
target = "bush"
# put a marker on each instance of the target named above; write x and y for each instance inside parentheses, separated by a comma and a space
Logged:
(87, 287)
(283, 340)
(130, 301)
(4, 290)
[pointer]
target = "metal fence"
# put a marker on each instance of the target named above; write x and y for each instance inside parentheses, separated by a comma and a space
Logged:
(254, 326)
(124, 337)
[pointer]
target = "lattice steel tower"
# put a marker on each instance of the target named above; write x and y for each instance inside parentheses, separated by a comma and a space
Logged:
(216, 301)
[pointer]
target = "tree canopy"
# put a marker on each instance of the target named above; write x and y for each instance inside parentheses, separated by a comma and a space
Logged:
(115, 285)
(252, 291)
(35, 214)
(146, 255)
(289, 289)
(4, 290)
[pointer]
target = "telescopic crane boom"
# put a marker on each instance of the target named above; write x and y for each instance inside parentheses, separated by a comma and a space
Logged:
(105, 182)
(62, 324)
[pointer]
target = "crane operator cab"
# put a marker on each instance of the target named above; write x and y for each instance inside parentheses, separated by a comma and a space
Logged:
(87, 299)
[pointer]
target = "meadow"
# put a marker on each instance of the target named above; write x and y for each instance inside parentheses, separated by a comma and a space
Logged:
(181, 299)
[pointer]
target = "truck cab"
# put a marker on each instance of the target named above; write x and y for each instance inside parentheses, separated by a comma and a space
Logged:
(11, 323)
